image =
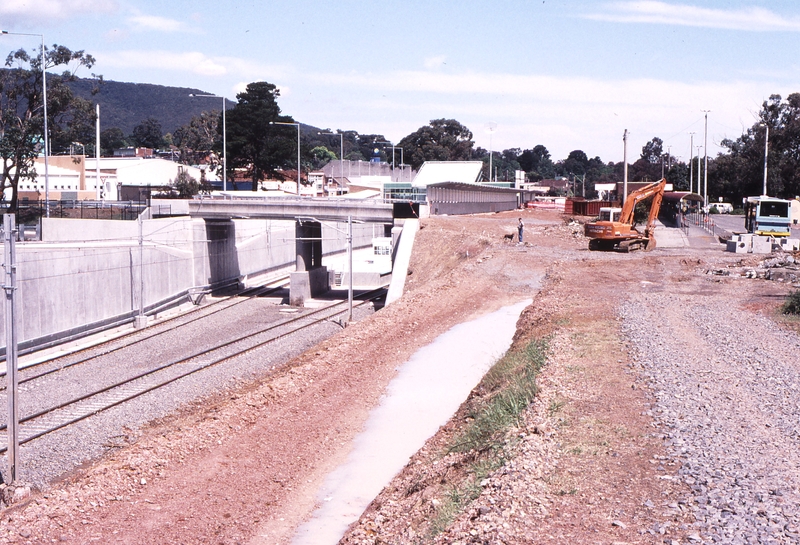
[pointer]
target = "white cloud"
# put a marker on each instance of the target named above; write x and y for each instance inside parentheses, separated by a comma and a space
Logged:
(563, 113)
(15, 11)
(192, 62)
(159, 24)
(434, 62)
(750, 19)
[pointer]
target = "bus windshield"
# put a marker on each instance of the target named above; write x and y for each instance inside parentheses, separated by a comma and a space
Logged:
(774, 209)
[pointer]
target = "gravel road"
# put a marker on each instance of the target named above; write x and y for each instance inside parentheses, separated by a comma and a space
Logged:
(724, 381)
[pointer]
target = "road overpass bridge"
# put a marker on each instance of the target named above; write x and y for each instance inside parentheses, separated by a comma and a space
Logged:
(310, 277)
(285, 208)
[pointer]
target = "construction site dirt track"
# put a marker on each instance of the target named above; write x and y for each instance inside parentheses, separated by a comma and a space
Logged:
(589, 462)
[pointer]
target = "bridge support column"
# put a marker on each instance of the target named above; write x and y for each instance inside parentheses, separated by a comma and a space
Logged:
(311, 278)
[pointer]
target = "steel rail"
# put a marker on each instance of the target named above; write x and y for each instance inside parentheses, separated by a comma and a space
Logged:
(93, 410)
(262, 290)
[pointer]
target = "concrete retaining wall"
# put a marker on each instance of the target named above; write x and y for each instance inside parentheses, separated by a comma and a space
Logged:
(86, 273)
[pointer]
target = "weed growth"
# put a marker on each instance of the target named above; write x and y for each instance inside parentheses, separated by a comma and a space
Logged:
(511, 387)
(792, 303)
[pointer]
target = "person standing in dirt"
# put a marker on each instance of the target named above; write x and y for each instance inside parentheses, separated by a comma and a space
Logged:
(520, 227)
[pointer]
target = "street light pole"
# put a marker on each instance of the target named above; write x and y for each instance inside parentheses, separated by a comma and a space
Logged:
(705, 162)
(624, 166)
(350, 268)
(698, 168)
(766, 153)
(401, 161)
(298, 148)
(393, 148)
(224, 140)
(46, 139)
(691, 162)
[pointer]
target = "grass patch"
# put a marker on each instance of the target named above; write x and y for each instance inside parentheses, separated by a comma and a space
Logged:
(555, 406)
(510, 387)
(511, 383)
(792, 303)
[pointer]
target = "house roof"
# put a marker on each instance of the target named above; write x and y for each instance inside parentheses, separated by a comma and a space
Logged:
(436, 172)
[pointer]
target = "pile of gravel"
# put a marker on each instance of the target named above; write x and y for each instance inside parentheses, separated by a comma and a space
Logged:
(724, 382)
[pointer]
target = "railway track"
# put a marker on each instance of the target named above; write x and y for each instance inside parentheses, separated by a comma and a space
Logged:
(62, 415)
(132, 338)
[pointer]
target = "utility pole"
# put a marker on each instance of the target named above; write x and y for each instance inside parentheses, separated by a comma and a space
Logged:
(766, 154)
(705, 163)
(10, 287)
(691, 161)
(97, 155)
(350, 268)
(698, 168)
(624, 165)
(141, 319)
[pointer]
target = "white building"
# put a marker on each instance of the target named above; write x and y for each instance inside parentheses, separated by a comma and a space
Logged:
(74, 177)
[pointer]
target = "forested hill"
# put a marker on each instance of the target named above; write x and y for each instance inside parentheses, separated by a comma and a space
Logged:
(125, 105)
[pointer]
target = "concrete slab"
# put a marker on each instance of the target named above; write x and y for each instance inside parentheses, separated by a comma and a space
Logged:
(401, 261)
(670, 237)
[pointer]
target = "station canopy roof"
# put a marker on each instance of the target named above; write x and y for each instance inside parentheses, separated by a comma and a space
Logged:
(682, 196)
(436, 172)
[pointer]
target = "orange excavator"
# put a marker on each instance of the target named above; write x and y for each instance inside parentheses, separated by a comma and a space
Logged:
(622, 234)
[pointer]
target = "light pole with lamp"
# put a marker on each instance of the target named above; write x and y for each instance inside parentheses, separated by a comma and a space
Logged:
(224, 140)
(401, 156)
(691, 162)
(298, 148)
(491, 126)
(44, 101)
(389, 143)
(401, 160)
(698, 168)
(766, 153)
(341, 155)
(705, 163)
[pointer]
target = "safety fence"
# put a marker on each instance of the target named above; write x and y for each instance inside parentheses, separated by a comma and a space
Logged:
(30, 213)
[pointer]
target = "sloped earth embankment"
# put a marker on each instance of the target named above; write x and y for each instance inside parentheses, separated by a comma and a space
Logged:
(600, 456)
(665, 415)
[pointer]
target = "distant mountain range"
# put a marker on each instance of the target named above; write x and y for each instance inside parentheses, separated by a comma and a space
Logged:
(125, 105)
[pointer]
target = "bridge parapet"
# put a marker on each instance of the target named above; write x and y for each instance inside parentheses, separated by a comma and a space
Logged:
(275, 208)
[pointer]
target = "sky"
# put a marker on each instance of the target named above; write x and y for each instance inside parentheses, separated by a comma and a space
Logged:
(565, 74)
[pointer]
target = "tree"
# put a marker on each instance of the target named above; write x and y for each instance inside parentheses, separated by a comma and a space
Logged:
(185, 185)
(111, 140)
(322, 156)
(740, 172)
(22, 112)
(504, 164)
(576, 163)
(199, 138)
(653, 150)
(252, 142)
(148, 134)
(537, 163)
(441, 140)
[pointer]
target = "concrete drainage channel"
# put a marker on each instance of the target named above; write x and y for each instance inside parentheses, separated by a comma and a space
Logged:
(427, 391)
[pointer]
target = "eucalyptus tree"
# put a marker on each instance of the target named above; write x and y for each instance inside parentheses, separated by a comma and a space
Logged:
(22, 110)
